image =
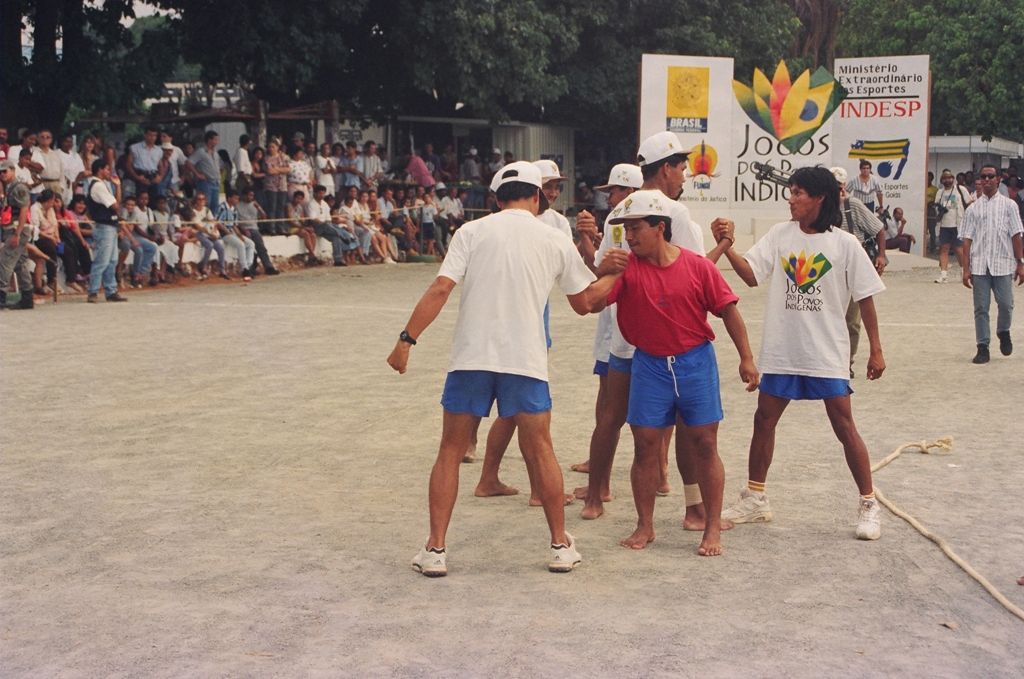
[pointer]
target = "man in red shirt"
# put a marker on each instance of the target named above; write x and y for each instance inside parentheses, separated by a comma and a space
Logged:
(663, 298)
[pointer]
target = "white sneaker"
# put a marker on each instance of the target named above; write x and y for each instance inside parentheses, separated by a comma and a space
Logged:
(564, 557)
(388, 260)
(751, 508)
(869, 525)
(942, 278)
(430, 562)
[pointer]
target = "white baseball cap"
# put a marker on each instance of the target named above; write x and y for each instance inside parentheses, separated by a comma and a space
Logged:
(658, 147)
(496, 151)
(440, 186)
(649, 203)
(472, 150)
(623, 174)
(840, 174)
(519, 171)
(548, 169)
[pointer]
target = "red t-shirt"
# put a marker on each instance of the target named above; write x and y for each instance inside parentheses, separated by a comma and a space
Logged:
(664, 310)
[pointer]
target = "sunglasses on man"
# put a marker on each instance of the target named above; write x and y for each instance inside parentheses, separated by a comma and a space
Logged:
(988, 175)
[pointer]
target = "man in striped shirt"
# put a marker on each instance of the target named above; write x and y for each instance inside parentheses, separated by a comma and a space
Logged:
(991, 232)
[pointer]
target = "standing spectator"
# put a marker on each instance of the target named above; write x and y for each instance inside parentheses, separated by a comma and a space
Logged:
(415, 166)
(325, 169)
(87, 152)
(4, 146)
(865, 188)
(16, 230)
(176, 163)
(249, 211)
(495, 164)
(952, 202)
(243, 164)
(204, 165)
(348, 167)
(232, 236)
(385, 164)
(275, 186)
(102, 206)
(26, 174)
(449, 165)
(258, 175)
(143, 163)
(72, 168)
(52, 173)
(300, 174)
(28, 141)
(932, 190)
(431, 160)
(428, 232)
(991, 233)
(894, 236)
(369, 165)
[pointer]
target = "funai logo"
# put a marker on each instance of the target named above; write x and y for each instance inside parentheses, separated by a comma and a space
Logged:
(700, 165)
(791, 111)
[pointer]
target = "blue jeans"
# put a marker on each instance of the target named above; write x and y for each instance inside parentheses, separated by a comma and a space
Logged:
(209, 245)
(145, 253)
(104, 263)
(212, 191)
(984, 286)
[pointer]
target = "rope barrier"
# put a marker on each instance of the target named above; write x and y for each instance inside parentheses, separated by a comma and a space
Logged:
(944, 444)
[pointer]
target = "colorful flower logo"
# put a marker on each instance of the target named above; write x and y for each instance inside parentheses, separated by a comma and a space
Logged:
(703, 159)
(790, 111)
(805, 270)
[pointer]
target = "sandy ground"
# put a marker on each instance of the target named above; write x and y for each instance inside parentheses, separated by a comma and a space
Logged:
(228, 481)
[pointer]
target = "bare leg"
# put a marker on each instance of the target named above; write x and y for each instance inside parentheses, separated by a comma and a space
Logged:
(604, 441)
(498, 439)
(944, 257)
(663, 487)
(444, 479)
(471, 450)
(762, 445)
(840, 414)
(644, 478)
(535, 442)
(959, 252)
(688, 471)
(710, 473)
(584, 467)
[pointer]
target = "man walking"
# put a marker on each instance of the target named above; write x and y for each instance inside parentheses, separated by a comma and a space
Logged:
(14, 220)
(507, 263)
(992, 250)
(952, 201)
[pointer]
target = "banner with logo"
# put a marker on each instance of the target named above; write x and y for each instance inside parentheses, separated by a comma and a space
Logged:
(692, 97)
(884, 120)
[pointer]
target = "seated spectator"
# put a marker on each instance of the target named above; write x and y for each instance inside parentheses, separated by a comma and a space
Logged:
(204, 228)
(353, 218)
(46, 234)
(384, 244)
(184, 233)
(67, 229)
(319, 215)
(298, 226)
(249, 211)
(232, 236)
(137, 241)
(163, 226)
(894, 236)
(76, 221)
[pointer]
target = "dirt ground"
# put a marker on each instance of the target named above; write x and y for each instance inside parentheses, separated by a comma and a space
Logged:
(229, 481)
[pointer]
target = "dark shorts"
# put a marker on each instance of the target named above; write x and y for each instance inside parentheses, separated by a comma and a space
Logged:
(428, 230)
(473, 392)
(803, 388)
(601, 368)
(947, 236)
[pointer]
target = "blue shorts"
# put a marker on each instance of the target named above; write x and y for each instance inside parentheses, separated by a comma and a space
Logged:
(620, 365)
(803, 388)
(601, 368)
(473, 392)
(547, 328)
(687, 384)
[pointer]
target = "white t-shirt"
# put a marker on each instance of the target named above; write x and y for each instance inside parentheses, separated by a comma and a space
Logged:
(685, 234)
(72, 165)
(325, 173)
(552, 218)
(242, 162)
(603, 335)
(507, 263)
(318, 211)
(805, 317)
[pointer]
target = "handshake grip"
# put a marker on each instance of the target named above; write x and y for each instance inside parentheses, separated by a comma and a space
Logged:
(763, 172)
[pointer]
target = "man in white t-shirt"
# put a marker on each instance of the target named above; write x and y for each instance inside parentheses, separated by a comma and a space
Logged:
(507, 263)
(325, 169)
(176, 161)
(71, 164)
(815, 269)
(242, 162)
(952, 201)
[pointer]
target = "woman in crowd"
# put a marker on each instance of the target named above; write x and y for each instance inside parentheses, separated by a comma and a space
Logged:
(382, 246)
(297, 226)
(87, 151)
(257, 176)
(47, 239)
(183, 234)
(163, 227)
(300, 174)
(187, 183)
(276, 168)
(76, 221)
(72, 238)
(205, 230)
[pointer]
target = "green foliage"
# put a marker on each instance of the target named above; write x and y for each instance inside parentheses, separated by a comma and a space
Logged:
(977, 55)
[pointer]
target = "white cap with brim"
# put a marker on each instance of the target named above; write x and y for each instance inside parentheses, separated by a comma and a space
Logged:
(7, 164)
(659, 147)
(548, 169)
(840, 174)
(623, 174)
(519, 171)
(641, 204)
(440, 186)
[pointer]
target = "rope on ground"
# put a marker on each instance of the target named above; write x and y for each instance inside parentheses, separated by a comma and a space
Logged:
(944, 444)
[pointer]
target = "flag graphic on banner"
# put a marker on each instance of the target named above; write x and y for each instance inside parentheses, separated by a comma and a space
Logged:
(893, 149)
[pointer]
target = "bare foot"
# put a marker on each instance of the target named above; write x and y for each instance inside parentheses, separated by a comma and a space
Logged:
(581, 494)
(535, 501)
(711, 545)
(592, 511)
(492, 490)
(470, 453)
(582, 467)
(695, 519)
(664, 489)
(639, 539)
(1020, 580)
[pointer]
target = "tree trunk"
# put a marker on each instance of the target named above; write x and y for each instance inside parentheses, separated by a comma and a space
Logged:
(51, 97)
(820, 19)
(13, 102)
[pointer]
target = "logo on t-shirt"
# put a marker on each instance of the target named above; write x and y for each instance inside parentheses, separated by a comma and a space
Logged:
(804, 271)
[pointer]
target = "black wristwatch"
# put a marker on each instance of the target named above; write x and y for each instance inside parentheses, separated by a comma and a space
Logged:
(406, 337)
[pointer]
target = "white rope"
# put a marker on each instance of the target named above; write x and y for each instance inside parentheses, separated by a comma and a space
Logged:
(944, 444)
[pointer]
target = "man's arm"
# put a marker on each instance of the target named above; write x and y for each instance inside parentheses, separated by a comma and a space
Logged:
(967, 260)
(595, 297)
(129, 165)
(738, 332)
(880, 259)
(1018, 253)
(876, 364)
(725, 229)
(423, 315)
